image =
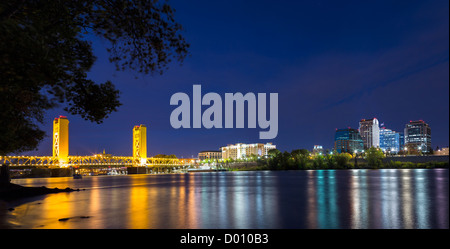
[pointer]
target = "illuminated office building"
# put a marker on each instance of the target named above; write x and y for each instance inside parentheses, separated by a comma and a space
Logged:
(418, 136)
(389, 140)
(370, 132)
(348, 141)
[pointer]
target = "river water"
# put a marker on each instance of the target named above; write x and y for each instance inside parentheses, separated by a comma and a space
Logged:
(313, 199)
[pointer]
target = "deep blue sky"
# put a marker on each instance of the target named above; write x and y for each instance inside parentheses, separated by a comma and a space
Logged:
(331, 62)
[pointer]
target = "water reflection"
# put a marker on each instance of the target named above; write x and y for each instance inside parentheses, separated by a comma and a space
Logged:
(407, 199)
(359, 200)
(329, 199)
(311, 200)
(420, 196)
(326, 194)
(387, 199)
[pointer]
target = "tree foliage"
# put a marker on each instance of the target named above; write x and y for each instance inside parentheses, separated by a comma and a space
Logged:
(302, 159)
(374, 157)
(46, 54)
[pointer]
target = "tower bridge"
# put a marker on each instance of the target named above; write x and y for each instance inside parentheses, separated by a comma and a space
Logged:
(61, 159)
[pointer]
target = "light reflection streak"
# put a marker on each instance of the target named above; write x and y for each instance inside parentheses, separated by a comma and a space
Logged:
(355, 200)
(222, 202)
(259, 208)
(422, 207)
(407, 199)
(240, 200)
(389, 198)
(95, 207)
(359, 199)
(332, 200)
(138, 210)
(204, 198)
(442, 198)
(194, 218)
(312, 200)
(326, 199)
(321, 207)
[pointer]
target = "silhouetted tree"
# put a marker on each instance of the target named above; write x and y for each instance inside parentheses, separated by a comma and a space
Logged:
(46, 54)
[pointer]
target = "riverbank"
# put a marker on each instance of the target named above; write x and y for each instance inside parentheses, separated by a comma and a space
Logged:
(13, 191)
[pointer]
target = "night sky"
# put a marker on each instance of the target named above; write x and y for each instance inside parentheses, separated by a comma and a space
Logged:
(332, 63)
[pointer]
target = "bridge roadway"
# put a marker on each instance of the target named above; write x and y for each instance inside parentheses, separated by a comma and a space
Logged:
(96, 160)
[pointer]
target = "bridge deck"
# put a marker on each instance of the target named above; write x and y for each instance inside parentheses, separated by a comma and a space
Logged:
(99, 160)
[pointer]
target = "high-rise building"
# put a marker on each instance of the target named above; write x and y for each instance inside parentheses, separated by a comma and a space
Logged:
(389, 140)
(61, 138)
(210, 154)
(240, 150)
(370, 132)
(348, 140)
(418, 136)
(140, 142)
(402, 140)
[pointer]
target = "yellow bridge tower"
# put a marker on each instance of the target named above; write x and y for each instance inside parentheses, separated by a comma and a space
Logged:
(61, 139)
(140, 143)
(62, 159)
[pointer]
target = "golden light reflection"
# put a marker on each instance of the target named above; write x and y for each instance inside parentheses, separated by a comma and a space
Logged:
(179, 194)
(55, 207)
(95, 205)
(138, 209)
(193, 218)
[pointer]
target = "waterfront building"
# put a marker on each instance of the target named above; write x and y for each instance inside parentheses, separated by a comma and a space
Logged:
(441, 152)
(418, 136)
(348, 140)
(61, 138)
(370, 132)
(210, 154)
(317, 150)
(241, 151)
(389, 140)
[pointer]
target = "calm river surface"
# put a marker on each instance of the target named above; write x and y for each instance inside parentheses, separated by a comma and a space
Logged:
(356, 199)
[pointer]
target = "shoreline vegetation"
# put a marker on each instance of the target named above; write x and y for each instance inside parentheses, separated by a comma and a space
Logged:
(255, 166)
(302, 159)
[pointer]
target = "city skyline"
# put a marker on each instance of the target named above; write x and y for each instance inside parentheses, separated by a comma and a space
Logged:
(331, 64)
(137, 129)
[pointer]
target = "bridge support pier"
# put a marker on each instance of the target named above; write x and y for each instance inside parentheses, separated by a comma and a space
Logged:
(61, 172)
(136, 170)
